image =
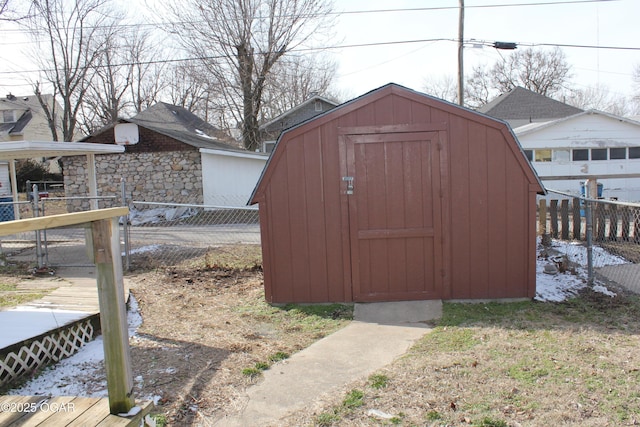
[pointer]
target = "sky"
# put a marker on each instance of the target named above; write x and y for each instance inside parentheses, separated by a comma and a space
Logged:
(604, 23)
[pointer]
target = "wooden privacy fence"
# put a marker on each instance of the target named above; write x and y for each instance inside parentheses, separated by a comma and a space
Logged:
(566, 219)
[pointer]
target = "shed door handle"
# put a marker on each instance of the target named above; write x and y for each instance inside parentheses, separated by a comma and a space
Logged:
(349, 181)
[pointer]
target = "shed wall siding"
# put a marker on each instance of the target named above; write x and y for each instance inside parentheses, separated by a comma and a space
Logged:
(491, 200)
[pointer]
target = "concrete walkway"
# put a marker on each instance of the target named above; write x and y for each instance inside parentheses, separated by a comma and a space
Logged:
(380, 333)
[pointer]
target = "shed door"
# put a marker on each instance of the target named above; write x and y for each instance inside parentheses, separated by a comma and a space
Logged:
(395, 215)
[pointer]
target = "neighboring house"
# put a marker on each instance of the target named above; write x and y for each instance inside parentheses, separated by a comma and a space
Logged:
(23, 119)
(162, 161)
(521, 106)
(271, 130)
(588, 145)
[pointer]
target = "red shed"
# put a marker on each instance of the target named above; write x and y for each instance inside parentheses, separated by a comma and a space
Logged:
(397, 195)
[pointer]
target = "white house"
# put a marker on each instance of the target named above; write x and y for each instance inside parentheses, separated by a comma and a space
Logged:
(229, 176)
(589, 145)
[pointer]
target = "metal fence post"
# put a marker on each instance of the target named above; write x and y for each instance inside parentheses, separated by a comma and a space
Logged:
(35, 199)
(125, 226)
(589, 236)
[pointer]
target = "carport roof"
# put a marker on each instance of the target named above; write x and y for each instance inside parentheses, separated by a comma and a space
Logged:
(31, 149)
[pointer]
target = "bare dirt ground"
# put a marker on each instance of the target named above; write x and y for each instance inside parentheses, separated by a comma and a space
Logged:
(207, 333)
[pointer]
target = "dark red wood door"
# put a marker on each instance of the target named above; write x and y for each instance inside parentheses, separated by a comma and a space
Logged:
(395, 215)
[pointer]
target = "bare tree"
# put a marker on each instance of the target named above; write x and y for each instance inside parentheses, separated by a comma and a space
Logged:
(188, 87)
(635, 100)
(71, 31)
(148, 77)
(444, 87)
(295, 79)
(546, 72)
(541, 71)
(125, 80)
(4, 10)
(600, 98)
(240, 41)
(8, 12)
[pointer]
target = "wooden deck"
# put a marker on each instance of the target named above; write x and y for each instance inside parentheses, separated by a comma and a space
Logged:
(31, 411)
(74, 288)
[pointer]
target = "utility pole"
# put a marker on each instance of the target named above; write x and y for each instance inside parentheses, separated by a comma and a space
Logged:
(461, 54)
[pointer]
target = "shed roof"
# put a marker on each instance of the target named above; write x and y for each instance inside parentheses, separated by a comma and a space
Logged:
(395, 88)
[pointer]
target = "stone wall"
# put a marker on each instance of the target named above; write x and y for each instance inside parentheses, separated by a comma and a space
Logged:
(163, 177)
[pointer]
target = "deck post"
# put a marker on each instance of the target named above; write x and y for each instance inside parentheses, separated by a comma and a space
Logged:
(113, 314)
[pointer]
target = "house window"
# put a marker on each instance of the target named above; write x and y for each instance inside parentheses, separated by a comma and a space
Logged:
(617, 153)
(579, 155)
(634, 152)
(598, 154)
(529, 155)
(8, 116)
(267, 146)
(561, 155)
(543, 155)
(318, 105)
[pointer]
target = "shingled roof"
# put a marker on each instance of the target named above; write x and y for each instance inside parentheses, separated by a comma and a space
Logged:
(521, 106)
(180, 124)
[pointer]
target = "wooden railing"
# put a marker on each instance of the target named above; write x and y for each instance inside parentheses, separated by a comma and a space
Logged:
(103, 241)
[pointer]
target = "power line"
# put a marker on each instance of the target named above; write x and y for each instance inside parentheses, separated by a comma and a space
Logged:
(359, 12)
(346, 46)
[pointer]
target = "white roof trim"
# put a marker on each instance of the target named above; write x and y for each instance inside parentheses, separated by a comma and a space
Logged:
(534, 127)
(30, 149)
(246, 155)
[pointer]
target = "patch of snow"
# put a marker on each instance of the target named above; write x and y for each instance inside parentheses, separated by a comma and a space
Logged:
(132, 412)
(157, 215)
(81, 374)
(27, 322)
(202, 134)
(556, 287)
(576, 252)
(144, 249)
(379, 414)
(562, 286)
(603, 290)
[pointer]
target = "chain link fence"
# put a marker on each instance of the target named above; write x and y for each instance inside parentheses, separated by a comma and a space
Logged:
(160, 234)
(153, 235)
(601, 236)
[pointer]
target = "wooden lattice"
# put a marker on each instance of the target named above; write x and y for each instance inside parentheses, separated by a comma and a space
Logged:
(49, 348)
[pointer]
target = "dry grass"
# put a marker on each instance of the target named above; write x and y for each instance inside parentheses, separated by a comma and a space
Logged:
(206, 322)
(522, 364)
(18, 286)
(206, 327)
